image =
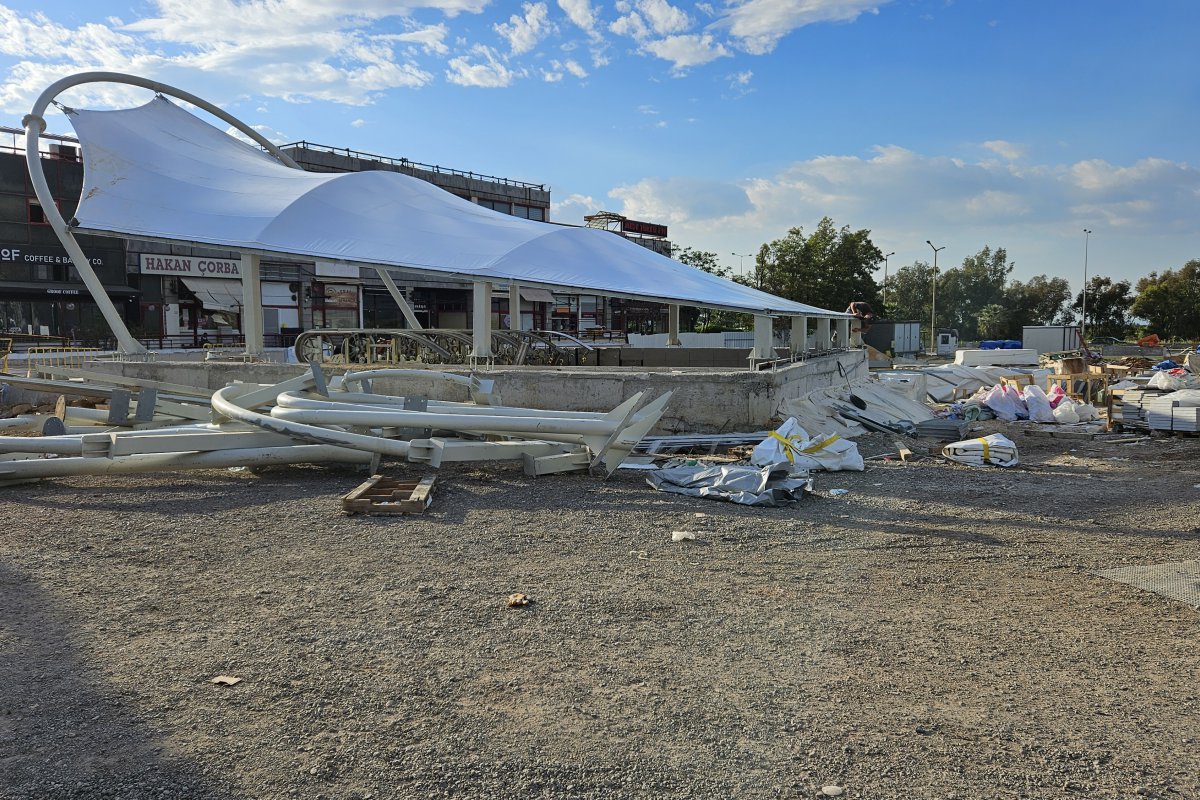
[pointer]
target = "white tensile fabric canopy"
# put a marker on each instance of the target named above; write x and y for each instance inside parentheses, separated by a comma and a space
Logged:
(159, 172)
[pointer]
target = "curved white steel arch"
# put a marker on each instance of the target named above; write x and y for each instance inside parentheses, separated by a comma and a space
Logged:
(35, 125)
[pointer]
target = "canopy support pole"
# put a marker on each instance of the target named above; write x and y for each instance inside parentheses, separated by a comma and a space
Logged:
(481, 321)
(252, 310)
(398, 296)
(673, 325)
(764, 349)
(514, 306)
(799, 335)
(34, 127)
(843, 332)
(823, 342)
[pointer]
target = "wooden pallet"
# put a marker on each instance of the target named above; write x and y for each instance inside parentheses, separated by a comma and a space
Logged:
(380, 495)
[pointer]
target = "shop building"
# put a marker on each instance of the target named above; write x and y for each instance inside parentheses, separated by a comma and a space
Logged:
(41, 293)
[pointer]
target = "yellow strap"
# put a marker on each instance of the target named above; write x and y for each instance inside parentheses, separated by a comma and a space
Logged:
(987, 450)
(817, 447)
(790, 445)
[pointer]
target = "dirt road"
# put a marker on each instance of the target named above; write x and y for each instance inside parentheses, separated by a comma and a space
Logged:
(937, 632)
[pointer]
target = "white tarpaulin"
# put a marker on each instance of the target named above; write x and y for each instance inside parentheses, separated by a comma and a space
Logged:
(159, 172)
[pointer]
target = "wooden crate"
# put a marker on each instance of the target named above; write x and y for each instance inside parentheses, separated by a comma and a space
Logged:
(380, 495)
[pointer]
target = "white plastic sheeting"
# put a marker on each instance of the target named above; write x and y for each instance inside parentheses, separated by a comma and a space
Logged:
(159, 172)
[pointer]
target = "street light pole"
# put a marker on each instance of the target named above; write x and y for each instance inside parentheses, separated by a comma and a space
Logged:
(885, 260)
(742, 261)
(1087, 234)
(933, 302)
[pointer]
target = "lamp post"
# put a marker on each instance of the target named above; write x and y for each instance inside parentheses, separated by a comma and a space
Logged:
(885, 260)
(1083, 314)
(933, 301)
(742, 261)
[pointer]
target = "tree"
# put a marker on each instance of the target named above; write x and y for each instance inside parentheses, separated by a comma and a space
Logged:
(1108, 306)
(705, 320)
(963, 292)
(993, 321)
(1170, 302)
(830, 268)
(908, 292)
(1041, 301)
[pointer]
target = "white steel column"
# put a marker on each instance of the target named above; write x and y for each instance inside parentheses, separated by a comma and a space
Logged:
(514, 306)
(763, 334)
(823, 342)
(481, 320)
(252, 310)
(799, 335)
(843, 331)
(673, 325)
(398, 296)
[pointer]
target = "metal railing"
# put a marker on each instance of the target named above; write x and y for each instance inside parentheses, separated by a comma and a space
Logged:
(406, 164)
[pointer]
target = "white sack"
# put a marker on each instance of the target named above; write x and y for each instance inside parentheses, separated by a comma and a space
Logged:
(1005, 402)
(1064, 412)
(1165, 381)
(792, 444)
(1038, 404)
(995, 449)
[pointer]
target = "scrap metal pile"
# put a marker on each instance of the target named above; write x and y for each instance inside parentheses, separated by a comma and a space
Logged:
(307, 419)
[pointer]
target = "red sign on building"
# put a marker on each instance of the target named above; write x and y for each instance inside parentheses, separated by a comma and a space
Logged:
(646, 228)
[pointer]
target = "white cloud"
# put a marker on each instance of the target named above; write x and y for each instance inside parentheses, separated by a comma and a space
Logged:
(358, 123)
(642, 18)
(631, 25)
(758, 25)
(270, 134)
(431, 38)
(314, 51)
(1005, 149)
(687, 50)
(524, 32)
(490, 74)
(580, 13)
(905, 195)
(664, 18)
(559, 68)
(681, 199)
(573, 208)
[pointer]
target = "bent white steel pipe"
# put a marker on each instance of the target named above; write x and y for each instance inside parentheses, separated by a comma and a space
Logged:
(340, 401)
(166, 462)
(309, 433)
(454, 422)
(484, 387)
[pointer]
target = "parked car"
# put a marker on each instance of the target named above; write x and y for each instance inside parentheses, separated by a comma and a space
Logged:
(1105, 340)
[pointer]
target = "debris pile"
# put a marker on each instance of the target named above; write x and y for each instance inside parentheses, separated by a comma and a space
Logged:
(307, 419)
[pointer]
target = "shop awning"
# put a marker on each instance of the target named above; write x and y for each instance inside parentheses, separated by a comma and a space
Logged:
(536, 295)
(216, 294)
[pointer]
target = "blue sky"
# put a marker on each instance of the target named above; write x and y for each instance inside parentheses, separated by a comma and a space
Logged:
(968, 122)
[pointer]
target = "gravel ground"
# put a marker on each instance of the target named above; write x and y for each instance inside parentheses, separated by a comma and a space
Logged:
(937, 632)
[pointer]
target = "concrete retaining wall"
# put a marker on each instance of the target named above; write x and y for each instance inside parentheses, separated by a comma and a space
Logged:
(703, 401)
